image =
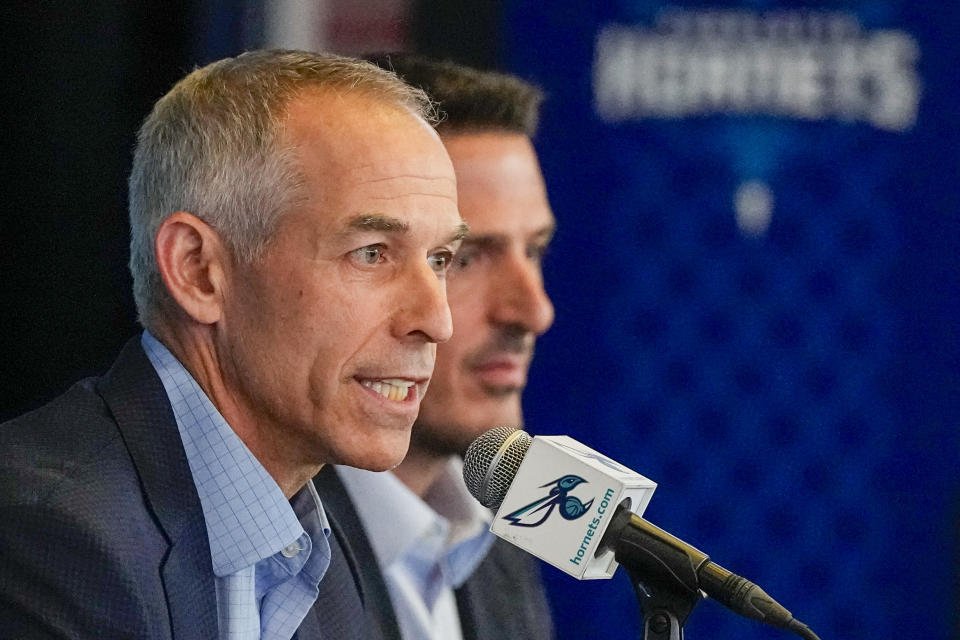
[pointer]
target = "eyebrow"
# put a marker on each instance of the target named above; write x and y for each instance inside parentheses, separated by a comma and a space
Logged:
(462, 231)
(378, 223)
(388, 224)
(494, 238)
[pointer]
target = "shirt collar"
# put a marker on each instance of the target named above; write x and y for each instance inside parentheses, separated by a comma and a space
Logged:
(448, 496)
(247, 516)
(450, 524)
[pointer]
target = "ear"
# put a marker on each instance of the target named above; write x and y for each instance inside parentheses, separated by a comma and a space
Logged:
(192, 262)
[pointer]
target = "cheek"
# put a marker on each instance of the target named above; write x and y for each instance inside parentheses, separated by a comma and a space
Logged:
(468, 309)
(445, 364)
(451, 375)
(462, 288)
(353, 315)
(343, 323)
(309, 325)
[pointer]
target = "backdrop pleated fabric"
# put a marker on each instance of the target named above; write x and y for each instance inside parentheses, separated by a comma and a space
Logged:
(756, 282)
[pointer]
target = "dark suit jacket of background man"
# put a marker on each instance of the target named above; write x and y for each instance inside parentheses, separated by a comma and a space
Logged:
(503, 599)
(101, 530)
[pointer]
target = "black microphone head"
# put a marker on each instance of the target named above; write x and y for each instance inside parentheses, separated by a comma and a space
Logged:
(491, 463)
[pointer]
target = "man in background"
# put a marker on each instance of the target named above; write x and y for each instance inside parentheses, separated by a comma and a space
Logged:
(293, 217)
(446, 575)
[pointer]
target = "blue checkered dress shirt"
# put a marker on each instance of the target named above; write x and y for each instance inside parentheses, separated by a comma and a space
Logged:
(268, 553)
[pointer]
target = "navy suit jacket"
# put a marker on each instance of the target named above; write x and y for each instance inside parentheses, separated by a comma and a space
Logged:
(101, 529)
(503, 599)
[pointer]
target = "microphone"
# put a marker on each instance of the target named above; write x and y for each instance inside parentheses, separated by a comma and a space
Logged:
(516, 475)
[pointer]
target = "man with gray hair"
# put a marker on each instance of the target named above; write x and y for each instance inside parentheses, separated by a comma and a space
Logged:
(293, 217)
(446, 576)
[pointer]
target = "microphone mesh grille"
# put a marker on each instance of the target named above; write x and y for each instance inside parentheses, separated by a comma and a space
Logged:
(483, 454)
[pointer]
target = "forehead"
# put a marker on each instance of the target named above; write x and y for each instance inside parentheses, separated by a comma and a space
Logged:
(358, 155)
(349, 131)
(499, 182)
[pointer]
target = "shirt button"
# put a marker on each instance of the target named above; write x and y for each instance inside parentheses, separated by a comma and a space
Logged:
(291, 549)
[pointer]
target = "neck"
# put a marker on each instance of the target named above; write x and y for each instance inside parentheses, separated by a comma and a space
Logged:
(195, 348)
(420, 469)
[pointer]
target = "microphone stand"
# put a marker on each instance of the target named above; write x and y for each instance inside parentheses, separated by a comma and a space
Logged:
(666, 593)
(670, 577)
(665, 606)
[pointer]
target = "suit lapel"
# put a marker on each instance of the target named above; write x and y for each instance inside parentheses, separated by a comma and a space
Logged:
(359, 556)
(139, 403)
(189, 583)
(470, 621)
(338, 612)
(504, 597)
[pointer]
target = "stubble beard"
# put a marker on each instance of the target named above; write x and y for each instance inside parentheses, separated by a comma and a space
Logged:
(443, 439)
(449, 437)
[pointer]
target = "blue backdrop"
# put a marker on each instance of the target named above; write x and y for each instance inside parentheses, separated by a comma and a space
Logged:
(756, 285)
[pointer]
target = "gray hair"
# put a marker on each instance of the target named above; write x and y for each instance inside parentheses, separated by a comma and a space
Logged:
(210, 147)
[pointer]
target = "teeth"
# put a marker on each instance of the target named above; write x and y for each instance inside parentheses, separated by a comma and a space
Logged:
(392, 388)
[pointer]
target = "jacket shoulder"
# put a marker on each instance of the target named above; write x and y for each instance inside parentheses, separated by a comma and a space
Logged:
(74, 526)
(61, 441)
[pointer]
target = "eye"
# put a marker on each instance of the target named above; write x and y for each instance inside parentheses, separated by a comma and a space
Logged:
(465, 257)
(440, 261)
(370, 254)
(536, 252)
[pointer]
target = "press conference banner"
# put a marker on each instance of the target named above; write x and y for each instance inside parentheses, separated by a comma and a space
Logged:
(757, 291)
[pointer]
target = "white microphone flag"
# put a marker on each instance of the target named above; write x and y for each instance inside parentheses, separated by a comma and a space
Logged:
(562, 501)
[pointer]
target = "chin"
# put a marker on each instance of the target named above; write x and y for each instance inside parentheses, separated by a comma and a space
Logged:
(449, 439)
(449, 429)
(376, 454)
(505, 417)
(380, 465)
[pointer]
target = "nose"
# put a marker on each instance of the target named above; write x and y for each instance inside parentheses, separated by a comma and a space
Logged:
(423, 312)
(518, 296)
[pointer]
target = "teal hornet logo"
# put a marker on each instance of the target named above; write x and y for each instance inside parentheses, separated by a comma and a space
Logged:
(571, 507)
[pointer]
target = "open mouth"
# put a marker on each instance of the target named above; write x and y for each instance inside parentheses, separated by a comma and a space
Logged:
(391, 388)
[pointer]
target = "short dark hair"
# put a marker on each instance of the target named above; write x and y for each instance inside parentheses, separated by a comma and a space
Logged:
(469, 99)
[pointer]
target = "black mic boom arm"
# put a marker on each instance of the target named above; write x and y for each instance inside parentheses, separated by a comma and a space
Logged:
(667, 571)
